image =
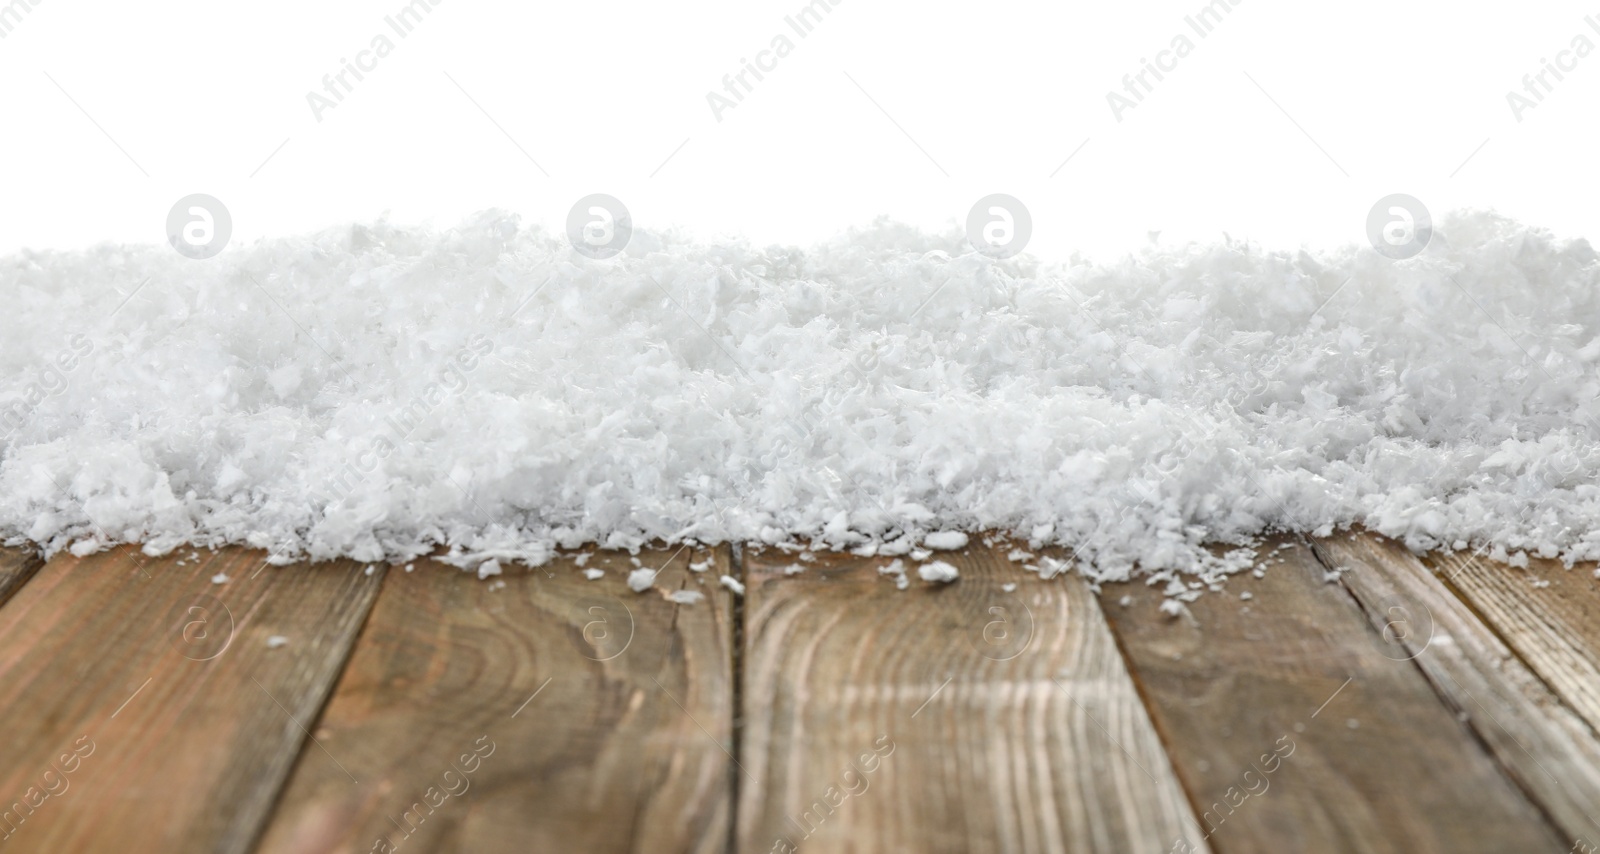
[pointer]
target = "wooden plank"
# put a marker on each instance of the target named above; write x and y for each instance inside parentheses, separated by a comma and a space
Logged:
(1550, 751)
(141, 706)
(943, 718)
(547, 713)
(16, 567)
(1548, 614)
(1292, 731)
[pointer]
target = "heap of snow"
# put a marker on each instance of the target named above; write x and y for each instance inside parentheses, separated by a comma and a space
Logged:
(373, 392)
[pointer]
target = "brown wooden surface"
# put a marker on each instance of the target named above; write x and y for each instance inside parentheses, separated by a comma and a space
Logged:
(1028, 738)
(16, 567)
(597, 736)
(177, 722)
(1552, 753)
(1554, 628)
(1292, 730)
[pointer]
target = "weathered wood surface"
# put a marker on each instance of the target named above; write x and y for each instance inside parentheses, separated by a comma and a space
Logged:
(1292, 730)
(945, 718)
(141, 707)
(541, 714)
(16, 567)
(1549, 614)
(1550, 750)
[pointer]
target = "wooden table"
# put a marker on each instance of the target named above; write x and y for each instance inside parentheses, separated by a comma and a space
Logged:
(1353, 698)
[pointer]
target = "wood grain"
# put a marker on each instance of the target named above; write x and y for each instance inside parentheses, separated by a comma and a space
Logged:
(16, 567)
(141, 706)
(1292, 730)
(1554, 627)
(1551, 752)
(541, 714)
(943, 718)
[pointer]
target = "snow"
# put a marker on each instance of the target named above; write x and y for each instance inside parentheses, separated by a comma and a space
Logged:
(686, 597)
(373, 392)
(640, 580)
(594, 574)
(945, 540)
(938, 571)
(733, 584)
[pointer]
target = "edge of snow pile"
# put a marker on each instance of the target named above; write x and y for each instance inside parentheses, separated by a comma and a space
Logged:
(376, 392)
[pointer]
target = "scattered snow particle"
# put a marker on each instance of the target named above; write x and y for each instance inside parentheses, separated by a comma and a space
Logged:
(582, 559)
(921, 554)
(1009, 587)
(793, 569)
(497, 584)
(1247, 596)
(594, 574)
(702, 566)
(1049, 567)
(276, 641)
(1172, 607)
(945, 540)
(1018, 555)
(733, 584)
(410, 567)
(686, 597)
(1125, 601)
(938, 571)
(640, 580)
(371, 568)
(488, 568)
(220, 578)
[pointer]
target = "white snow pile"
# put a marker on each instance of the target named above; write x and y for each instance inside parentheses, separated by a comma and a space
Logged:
(375, 392)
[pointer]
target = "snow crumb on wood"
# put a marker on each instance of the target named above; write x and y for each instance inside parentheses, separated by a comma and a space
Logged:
(945, 540)
(220, 578)
(733, 584)
(938, 571)
(642, 579)
(686, 597)
(594, 574)
(276, 641)
(488, 568)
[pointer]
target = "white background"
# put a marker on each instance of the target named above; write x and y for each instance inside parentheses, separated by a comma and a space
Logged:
(199, 94)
